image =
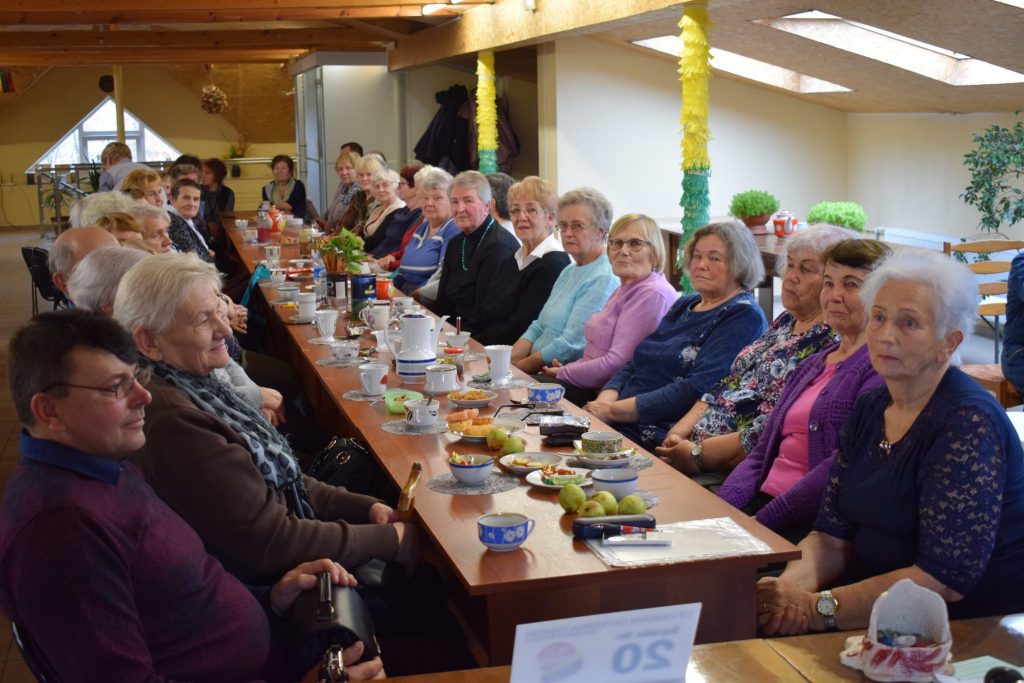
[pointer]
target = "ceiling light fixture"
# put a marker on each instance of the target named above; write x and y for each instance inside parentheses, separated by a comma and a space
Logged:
(434, 8)
(903, 52)
(752, 69)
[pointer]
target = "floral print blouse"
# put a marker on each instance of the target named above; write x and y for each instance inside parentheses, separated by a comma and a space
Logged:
(742, 400)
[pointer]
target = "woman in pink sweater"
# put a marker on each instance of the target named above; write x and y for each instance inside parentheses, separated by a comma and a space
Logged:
(631, 313)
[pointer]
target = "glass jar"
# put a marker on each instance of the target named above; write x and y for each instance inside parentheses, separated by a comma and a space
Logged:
(454, 355)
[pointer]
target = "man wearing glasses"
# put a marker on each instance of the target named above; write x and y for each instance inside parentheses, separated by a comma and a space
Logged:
(107, 581)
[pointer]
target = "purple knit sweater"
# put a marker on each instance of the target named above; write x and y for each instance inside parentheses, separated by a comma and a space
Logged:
(800, 503)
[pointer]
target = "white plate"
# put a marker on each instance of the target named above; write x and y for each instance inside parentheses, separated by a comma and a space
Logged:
(471, 403)
(301, 321)
(301, 262)
(536, 479)
(512, 426)
(546, 458)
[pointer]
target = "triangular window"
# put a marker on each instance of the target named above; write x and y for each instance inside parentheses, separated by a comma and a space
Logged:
(86, 140)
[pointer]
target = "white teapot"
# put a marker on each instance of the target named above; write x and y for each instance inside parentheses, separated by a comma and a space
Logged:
(419, 345)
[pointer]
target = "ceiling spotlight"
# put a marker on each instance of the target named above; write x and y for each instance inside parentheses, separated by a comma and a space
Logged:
(434, 8)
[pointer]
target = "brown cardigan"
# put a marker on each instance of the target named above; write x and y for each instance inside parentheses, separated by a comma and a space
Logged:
(201, 468)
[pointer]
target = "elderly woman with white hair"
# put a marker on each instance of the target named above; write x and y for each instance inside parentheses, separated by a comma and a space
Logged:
(89, 209)
(216, 459)
(425, 249)
(93, 283)
(388, 222)
(928, 482)
(584, 217)
(155, 223)
(696, 341)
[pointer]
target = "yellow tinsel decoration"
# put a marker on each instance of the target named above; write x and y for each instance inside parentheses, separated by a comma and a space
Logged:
(694, 71)
(486, 113)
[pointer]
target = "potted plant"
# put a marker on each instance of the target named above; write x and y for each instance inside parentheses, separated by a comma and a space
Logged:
(996, 165)
(238, 150)
(754, 208)
(65, 197)
(342, 253)
(844, 214)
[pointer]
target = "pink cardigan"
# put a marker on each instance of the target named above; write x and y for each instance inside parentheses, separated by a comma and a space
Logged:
(630, 314)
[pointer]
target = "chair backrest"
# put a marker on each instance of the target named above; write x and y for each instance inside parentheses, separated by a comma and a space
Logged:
(33, 656)
(37, 260)
(987, 268)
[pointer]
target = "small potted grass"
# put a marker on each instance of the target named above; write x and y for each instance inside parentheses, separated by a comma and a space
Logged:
(754, 208)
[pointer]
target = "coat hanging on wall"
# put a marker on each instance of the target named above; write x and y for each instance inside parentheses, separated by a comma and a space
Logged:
(446, 141)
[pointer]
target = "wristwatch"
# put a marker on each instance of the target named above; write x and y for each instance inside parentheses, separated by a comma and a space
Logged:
(697, 459)
(827, 606)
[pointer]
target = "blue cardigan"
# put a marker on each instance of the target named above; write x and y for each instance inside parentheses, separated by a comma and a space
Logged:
(677, 363)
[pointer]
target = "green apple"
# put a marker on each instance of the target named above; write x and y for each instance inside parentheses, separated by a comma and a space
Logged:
(496, 438)
(513, 444)
(571, 497)
(591, 509)
(632, 505)
(606, 501)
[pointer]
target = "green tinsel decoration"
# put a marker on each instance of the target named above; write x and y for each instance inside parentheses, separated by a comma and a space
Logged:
(696, 203)
(488, 160)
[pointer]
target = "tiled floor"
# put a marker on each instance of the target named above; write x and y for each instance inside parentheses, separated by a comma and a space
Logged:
(15, 309)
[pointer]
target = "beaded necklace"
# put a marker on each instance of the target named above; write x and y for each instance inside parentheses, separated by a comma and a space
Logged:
(487, 227)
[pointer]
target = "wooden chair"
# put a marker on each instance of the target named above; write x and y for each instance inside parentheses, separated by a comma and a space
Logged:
(990, 375)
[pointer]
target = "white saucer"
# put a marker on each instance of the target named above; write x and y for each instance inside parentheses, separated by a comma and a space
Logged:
(301, 321)
(324, 341)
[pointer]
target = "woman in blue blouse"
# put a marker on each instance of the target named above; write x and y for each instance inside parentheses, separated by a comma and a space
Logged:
(425, 250)
(928, 482)
(697, 340)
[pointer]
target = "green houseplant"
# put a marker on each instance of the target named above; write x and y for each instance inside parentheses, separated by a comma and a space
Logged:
(844, 214)
(342, 253)
(754, 208)
(996, 165)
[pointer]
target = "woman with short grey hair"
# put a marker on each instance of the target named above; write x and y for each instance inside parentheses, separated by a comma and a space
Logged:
(215, 458)
(387, 224)
(928, 478)
(424, 252)
(584, 217)
(93, 283)
(155, 222)
(696, 342)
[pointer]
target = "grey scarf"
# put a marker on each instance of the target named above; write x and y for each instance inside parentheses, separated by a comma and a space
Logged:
(270, 451)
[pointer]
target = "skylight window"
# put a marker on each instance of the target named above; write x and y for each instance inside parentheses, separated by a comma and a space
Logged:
(752, 69)
(894, 49)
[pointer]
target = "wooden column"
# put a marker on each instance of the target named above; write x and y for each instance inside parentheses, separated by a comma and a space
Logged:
(119, 102)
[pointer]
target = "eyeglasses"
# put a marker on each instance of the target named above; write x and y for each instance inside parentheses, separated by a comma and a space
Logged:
(634, 244)
(572, 227)
(534, 211)
(119, 390)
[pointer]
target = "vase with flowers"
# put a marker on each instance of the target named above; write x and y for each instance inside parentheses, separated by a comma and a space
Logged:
(342, 254)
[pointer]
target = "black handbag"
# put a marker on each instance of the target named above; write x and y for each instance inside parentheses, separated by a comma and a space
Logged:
(344, 462)
(330, 615)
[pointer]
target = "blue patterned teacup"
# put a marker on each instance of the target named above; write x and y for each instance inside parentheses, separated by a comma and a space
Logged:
(504, 531)
(546, 392)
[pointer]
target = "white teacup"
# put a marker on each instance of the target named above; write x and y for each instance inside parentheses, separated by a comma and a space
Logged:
(287, 293)
(376, 316)
(327, 322)
(440, 379)
(373, 378)
(277, 276)
(500, 357)
(422, 412)
(400, 303)
(307, 305)
(458, 340)
(382, 342)
(250, 235)
(345, 349)
(273, 255)
(241, 223)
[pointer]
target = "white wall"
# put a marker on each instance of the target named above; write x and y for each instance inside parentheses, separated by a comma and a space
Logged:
(617, 116)
(907, 169)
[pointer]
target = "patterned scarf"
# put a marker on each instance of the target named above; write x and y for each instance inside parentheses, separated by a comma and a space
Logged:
(271, 453)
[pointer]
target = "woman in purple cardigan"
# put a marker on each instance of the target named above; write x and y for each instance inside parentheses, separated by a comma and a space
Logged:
(782, 480)
(631, 313)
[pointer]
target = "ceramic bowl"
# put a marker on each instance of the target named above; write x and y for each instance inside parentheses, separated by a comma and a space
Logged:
(601, 442)
(287, 293)
(476, 472)
(395, 399)
(504, 531)
(618, 482)
(546, 392)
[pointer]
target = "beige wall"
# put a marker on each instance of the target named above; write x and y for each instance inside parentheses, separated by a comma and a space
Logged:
(907, 169)
(57, 101)
(617, 117)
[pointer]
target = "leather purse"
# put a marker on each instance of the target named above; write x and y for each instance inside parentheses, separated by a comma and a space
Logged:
(329, 615)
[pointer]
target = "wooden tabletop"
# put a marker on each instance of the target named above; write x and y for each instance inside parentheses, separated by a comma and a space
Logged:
(551, 576)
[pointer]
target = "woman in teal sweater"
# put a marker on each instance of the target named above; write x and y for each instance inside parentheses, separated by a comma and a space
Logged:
(584, 219)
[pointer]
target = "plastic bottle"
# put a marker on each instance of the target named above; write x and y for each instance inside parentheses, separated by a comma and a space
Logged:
(319, 280)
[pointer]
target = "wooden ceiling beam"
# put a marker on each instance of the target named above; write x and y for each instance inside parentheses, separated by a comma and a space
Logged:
(72, 6)
(270, 38)
(507, 24)
(212, 15)
(82, 58)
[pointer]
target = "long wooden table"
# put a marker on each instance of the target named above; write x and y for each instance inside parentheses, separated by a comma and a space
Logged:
(813, 658)
(551, 576)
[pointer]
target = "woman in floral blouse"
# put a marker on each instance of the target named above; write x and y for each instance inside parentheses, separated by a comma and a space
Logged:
(729, 419)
